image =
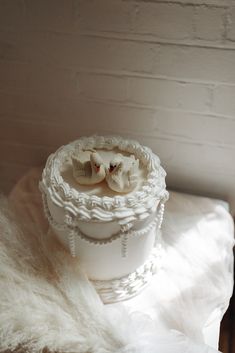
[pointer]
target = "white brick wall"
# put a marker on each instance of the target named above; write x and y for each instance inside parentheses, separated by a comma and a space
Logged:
(156, 92)
(210, 23)
(166, 21)
(196, 63)
(160, 71)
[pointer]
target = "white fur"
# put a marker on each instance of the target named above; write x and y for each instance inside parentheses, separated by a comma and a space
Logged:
(47, 301)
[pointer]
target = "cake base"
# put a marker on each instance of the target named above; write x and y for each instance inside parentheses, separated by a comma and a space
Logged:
(126, 287)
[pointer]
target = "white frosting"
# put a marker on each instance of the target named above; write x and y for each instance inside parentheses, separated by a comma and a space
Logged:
(128, 286)
(112, 234)
(104, 208)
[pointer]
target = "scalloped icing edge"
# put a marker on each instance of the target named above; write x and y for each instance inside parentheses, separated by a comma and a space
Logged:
(123, 208)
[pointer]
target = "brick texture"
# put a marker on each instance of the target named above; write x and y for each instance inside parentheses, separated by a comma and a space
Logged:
(104, 87)
(205, 64)
(159, 71)
(169, 94)
(110, 15)
(224, 100)
(231, 28)
(170, 21)
(209, 23)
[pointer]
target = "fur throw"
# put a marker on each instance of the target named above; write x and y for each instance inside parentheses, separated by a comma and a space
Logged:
(46, 301)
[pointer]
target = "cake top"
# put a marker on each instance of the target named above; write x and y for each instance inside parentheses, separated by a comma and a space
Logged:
(105, 199)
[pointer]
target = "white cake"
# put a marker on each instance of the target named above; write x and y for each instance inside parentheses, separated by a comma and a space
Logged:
(114, 234)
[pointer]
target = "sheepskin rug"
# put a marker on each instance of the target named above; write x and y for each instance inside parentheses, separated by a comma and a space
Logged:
(47, 302)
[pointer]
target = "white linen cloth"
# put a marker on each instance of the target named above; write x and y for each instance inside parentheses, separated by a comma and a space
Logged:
(47, 301)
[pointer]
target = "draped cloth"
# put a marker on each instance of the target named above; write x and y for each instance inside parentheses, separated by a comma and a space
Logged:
(46, 300)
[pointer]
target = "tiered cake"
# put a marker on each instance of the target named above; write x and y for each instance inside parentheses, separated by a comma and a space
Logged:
(104, 199)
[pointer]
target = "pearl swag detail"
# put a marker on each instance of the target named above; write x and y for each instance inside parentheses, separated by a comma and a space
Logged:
(125, 233)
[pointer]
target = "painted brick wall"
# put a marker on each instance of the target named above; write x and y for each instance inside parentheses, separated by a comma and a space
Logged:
(162, 72)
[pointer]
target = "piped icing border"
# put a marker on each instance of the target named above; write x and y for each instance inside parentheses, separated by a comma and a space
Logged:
(73, 231)
(124, 208)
